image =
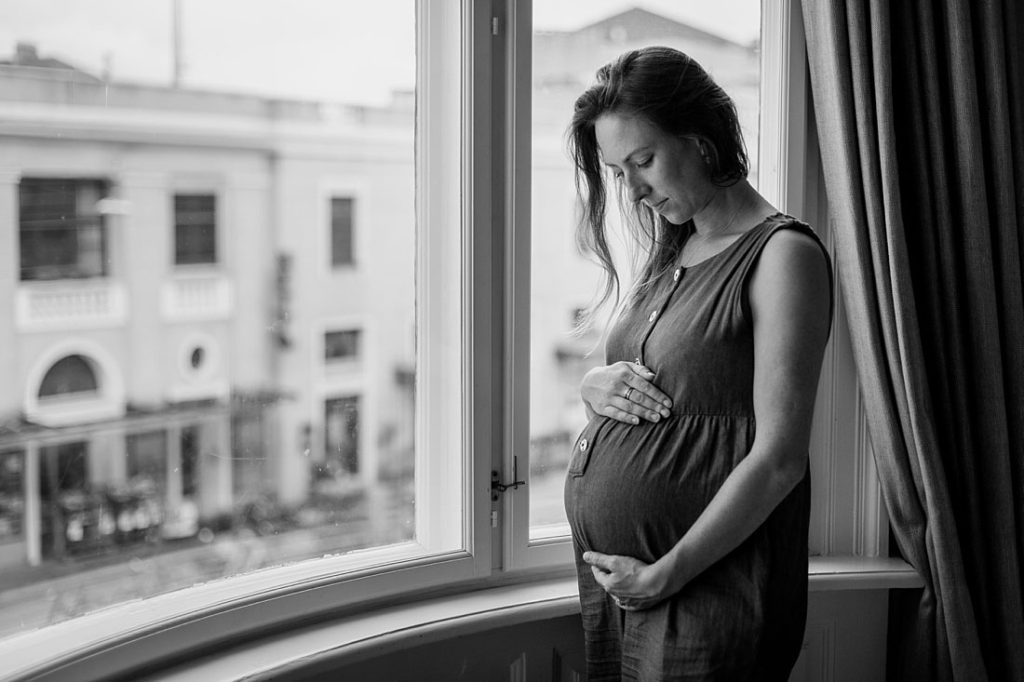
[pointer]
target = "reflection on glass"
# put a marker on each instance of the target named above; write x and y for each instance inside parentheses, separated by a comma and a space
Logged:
(570, 41)
(198, 243)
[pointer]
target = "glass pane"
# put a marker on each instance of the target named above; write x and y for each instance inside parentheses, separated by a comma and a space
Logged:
(571, 41)
(215, 437)
(195, 229)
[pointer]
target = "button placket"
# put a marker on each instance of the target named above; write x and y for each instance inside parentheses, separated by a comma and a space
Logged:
(677, 275)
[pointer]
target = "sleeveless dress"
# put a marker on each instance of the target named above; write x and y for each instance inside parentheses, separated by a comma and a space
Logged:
(635, 490)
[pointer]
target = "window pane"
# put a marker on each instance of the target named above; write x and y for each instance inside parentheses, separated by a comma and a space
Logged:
(189, 428)
(69, 375)
(571, 41)
(61, 232)
(342, 345)
(12, 495)
(342, 231)
(195, 229)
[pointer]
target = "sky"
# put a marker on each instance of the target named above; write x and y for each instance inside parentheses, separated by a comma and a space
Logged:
(334, 50)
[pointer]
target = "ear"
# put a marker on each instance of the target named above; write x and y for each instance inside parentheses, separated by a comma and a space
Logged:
(704, 152)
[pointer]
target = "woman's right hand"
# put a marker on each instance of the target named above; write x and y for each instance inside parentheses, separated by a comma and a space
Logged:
(624, 392)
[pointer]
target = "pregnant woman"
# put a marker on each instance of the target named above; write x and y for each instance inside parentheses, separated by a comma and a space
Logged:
(688, 491)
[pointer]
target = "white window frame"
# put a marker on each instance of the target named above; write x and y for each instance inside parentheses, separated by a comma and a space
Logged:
(472, 389)
(455, 340)
(216, 187)
(846, 520)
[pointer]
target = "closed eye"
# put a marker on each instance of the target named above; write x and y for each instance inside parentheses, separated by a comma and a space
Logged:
(645, 162)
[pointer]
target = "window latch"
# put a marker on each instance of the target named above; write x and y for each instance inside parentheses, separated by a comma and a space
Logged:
(498, 487)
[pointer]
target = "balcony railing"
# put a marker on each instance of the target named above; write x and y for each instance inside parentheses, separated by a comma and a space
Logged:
(197, 297)
(70, 304)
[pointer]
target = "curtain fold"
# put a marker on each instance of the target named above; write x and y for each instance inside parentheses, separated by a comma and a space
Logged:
(919, 106)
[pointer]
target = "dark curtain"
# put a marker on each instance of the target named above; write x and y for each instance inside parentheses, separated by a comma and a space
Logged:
(920, 111)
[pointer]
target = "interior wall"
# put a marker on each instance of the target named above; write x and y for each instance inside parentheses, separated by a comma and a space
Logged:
(844, 642)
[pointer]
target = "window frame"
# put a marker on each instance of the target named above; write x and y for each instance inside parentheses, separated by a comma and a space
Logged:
(217, 211)
(488, 302)
(790, 177)
(350, 334)
(783, 162)
(457, 342)
(342, 187)
(353, 207)
(66, 272)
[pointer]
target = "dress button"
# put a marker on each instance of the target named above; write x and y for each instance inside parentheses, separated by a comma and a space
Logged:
(583, 445)
(677, 274)
(654, 314)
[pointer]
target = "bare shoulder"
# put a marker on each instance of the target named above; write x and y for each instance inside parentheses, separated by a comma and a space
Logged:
(792, 275)
(792, 255)
(793, 248)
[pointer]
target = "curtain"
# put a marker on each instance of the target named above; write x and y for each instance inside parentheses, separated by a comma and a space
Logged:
(920, 112)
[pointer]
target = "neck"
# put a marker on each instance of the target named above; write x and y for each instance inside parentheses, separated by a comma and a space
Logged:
(728, 209)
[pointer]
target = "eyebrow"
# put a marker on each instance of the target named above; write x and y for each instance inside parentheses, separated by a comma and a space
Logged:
(638, 150)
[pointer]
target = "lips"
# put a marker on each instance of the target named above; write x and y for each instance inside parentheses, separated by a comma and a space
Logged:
(657, 206)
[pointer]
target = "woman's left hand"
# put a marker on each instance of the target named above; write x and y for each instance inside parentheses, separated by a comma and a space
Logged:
(633, 584)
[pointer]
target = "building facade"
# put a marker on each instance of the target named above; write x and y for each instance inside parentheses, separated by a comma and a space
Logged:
(199, 291)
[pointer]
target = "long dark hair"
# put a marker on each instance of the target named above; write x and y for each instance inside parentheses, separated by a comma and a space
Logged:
(674, 93)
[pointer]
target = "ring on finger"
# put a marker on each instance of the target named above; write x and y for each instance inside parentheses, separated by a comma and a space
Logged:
(629, 392)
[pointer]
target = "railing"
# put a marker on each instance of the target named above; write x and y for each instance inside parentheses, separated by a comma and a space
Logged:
(70, 304)
(197, 297)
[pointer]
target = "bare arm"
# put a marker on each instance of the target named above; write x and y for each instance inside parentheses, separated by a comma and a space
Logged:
(789, 299)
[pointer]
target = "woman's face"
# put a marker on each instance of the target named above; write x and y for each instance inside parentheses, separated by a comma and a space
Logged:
(665, 172)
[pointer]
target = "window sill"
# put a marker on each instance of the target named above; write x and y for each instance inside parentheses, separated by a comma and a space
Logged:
(388, 630)
(836, 573)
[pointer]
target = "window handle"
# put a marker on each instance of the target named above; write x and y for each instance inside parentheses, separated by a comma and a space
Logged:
(498, 487)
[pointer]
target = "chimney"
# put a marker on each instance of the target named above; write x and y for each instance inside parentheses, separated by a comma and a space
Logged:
(25, 54)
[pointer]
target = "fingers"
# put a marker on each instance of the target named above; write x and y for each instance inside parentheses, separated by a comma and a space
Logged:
(640, 370)
(631, 411)
(605, 562)
(627, 604)
(644, 393)
(617, 575)
(645, 406)
(624, 392)
(618, 410)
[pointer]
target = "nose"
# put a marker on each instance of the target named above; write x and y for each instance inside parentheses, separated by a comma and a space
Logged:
(636, 188)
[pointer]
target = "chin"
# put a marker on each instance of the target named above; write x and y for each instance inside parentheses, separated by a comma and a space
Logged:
(674, 219)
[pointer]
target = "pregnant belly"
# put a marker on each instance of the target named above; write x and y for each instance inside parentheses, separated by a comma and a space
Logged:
(635, 490)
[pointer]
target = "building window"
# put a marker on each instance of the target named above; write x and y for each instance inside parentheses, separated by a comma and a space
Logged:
(147, 460)
(341, 430)
(67, 506)
(70, 375)
(62, 232)
(195, 229)
(12, 494)
(248, 459)
(343, 345)
(190, 461)
(342, 231)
